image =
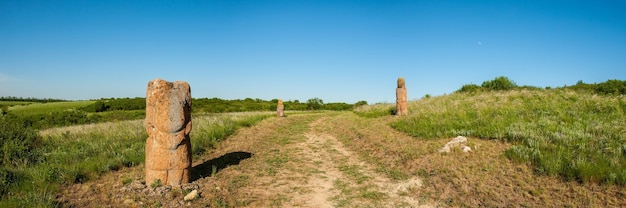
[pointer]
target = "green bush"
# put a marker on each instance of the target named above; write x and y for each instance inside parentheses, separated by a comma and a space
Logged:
(314, 104)
(611, 87)
(4, 109)
(470, 88)
(18, 142)
(19, 148)
(499, 83)
(337, 106)
(119, 104)
(7, 179)
(360, 103)
(55, 119)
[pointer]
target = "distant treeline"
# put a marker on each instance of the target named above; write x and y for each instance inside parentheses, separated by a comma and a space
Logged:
(117, 109)
(610, 87)
(217, 105)
(36, 100)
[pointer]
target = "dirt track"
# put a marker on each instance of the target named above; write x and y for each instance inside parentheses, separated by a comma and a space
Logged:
(297, 161)
(338, 159)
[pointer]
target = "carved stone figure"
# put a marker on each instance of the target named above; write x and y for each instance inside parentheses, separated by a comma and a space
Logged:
(168, 124)
(280, 108)
(401, 101)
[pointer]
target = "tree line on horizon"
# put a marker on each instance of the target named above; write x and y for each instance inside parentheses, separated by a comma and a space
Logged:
(217, 105)
(30, 99)
(117, 109)
(609, 87)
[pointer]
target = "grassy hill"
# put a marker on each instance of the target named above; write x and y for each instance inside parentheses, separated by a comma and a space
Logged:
(35, 165)
(578, 135)
(532, 147)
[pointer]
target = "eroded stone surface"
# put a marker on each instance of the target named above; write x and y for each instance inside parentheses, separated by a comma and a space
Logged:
(401, 98)
(168, 124)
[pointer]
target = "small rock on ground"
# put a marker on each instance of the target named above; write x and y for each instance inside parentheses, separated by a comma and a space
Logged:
(191, 195)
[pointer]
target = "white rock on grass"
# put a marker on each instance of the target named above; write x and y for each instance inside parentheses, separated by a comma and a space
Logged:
(458, 141)
(191, 195)
(467, 149)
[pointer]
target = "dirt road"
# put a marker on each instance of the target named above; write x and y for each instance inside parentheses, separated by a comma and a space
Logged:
(303, 160)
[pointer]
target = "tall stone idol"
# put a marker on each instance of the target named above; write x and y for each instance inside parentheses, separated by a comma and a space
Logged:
(280, 109)
(401, 102)
(168, 123)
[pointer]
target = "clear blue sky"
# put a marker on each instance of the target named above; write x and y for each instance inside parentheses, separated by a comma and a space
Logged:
(339, 51)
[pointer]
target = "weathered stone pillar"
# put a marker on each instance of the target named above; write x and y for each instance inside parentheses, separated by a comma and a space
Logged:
(280, 108)
(401, 101)
(168, 123)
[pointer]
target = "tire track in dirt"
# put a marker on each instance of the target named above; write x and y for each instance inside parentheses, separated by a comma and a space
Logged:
(295, 163)
(347, 181)
(322, 172)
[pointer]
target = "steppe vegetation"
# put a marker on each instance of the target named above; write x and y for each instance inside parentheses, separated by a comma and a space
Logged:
(36, 165)
(532, 147)
(50, 143)
(50, 113)
(576, 132)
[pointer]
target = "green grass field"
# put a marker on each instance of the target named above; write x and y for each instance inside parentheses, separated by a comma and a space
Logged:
(42, 108)
(579, 136)
(576, 135)
(14, 103)
(79, 153)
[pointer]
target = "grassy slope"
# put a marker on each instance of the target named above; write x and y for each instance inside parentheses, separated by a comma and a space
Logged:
(579, 136)
(483, 178)
(78, 153)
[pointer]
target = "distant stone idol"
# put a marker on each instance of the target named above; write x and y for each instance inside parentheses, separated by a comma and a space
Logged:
(168, 123)
(280, 109)
(401, 102)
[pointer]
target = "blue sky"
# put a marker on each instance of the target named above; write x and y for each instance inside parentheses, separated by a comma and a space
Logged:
(339, 51)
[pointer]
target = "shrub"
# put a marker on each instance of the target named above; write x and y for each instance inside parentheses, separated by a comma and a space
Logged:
(611, 87)
(57, 119)
(7, 179)
(17, 142)
(337, 106)
(499, 83)
(360, 103)
(314, 103)
(4, 109)
(470, 88)
(104, 105)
